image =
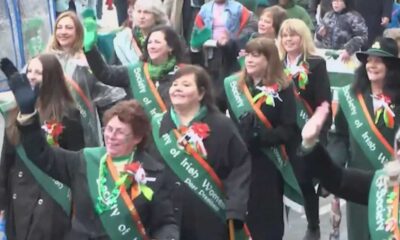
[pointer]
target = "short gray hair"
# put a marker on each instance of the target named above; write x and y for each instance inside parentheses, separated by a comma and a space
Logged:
(157, 8)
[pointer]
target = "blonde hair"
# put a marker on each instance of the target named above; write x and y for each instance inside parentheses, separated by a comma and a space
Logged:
(274, 72)
(54, 45)
(156, 7)
(298, 27)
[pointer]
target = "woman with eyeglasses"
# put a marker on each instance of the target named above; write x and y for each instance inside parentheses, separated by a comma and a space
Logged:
(35, 206)
(209, 162)
(118, 191)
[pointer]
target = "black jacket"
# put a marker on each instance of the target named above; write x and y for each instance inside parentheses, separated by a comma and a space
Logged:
(347, 183)
(70, 168)
(30, 211)
(317, 90)
(118, 76)
(229, 158)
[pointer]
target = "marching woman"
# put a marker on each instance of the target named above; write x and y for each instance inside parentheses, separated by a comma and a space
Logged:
(118, 191)
(145, 81)
(311, 88)
(367, 120)
(89, 94)
(261, 100)
(129, 43)
(207, 158)
(31, 212)
(378, 190)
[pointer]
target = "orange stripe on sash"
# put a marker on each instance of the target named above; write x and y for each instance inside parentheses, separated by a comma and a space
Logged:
(306, 104)
(80, 92)
(153, 89)
(371, 124)
(127, 200)
(201, 161)
(260, 115)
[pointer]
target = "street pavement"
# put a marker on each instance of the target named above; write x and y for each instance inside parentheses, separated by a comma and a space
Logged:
(296, 225)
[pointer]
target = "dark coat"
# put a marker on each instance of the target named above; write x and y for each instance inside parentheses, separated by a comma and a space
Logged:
(229, 158)
(318, 89)
(344, 149)
(31, 213)
(347, 183)
(69, 168)
(118, 76)
(373, 11)
(265, 208)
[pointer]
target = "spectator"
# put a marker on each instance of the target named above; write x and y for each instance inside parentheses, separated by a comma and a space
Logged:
(229, 25)
(395, 20)
(393, 33)
(376, 14)
(295, 11)
(129, 43)
(342, 28)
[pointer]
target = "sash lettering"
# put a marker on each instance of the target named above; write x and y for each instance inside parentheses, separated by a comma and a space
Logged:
(383, 208)
(144, 91)
(188, 169)
(118, 221)
(240, 104)
(374, 146)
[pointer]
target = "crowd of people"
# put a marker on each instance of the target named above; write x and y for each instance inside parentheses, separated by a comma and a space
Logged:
(207, 120)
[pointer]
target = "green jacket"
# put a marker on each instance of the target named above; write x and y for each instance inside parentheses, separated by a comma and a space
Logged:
(295, 11)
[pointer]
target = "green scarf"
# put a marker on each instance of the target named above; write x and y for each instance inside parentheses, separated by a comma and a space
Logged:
(158, 71)
(139, 37)
(197, 118)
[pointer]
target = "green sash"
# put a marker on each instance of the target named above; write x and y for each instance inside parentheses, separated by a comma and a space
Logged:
(144, 91)
(304, 111)
(239, 105)
(87, 114)
(383, 208)
(117, 222)
(58, 191)
(189, 170)
(374, 146)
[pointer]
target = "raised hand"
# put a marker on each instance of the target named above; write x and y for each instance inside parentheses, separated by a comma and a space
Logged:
(90, 34)
(8, 67)
(312, 128)
(20, 86)
(199, 37)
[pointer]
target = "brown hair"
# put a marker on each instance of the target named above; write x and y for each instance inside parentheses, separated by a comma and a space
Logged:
(54, 100)
(133, 114)
(203, 83)
(77, 47)
(278, 15)
(274, 72)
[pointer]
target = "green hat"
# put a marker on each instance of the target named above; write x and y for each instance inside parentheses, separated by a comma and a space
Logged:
(382, 47)
(88, 13)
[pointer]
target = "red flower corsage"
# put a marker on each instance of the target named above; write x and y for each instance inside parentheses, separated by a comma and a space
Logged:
(53, 130)
(195, 135)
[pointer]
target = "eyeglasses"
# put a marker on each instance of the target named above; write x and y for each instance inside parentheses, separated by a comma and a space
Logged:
(117, 132)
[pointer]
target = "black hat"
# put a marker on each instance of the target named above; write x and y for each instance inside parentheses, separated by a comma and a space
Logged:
(382, 47)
